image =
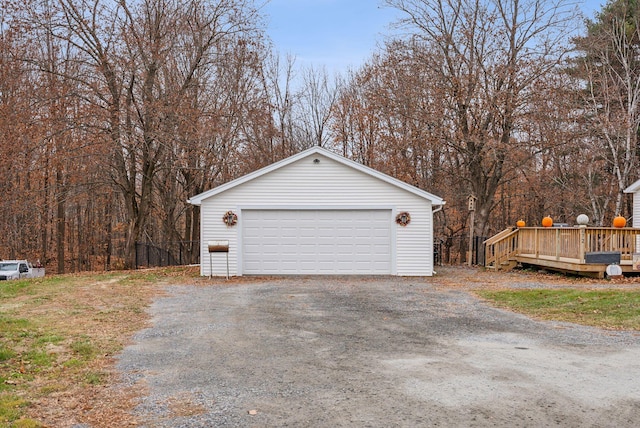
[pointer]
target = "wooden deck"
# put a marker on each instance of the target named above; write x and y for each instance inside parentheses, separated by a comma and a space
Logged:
(567, 249)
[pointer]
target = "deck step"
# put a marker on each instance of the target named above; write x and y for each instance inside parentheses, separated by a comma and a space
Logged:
(508, 265)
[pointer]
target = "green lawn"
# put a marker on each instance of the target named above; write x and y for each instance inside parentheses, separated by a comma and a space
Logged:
(610, 309)
(57, 337)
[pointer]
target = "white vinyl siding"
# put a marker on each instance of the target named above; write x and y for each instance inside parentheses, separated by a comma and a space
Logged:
(636, 209)
(327, 184)
(635, 221)
(320, 242)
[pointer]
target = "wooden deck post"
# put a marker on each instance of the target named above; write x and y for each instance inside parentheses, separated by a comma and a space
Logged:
(557, 243)
(583, 237)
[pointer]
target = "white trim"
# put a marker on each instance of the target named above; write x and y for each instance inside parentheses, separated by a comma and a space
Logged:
(239, 242)
(435, 200)
(315, 207)
(394, 242)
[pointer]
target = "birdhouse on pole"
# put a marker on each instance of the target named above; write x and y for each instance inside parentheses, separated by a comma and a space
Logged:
(472, 209)
(472, 202)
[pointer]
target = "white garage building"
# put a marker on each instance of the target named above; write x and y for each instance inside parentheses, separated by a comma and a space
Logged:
(318, 213)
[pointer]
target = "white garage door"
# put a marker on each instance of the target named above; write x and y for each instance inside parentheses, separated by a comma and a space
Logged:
(316, 242)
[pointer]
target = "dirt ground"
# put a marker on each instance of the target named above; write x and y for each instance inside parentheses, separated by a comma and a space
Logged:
(375, 352)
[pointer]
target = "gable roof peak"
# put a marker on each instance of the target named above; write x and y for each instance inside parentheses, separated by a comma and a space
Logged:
(435, 200)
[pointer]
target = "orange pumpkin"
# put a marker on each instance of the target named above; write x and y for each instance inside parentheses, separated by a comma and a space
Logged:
(619, 222)
(521, 223)
(547, 222)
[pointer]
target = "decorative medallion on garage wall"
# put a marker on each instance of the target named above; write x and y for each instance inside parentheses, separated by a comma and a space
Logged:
(403, 218)
(230, 218)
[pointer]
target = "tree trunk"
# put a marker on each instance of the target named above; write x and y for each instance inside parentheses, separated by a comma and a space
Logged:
(60, 222)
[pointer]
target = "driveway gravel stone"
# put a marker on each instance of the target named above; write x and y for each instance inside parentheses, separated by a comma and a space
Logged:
(373, 352)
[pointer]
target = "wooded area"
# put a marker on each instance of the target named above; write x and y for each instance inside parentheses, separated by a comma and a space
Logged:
(113, 113)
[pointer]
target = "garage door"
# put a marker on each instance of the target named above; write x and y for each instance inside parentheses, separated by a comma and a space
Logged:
(316, 242)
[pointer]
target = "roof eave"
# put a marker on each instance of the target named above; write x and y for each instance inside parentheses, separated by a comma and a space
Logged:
(633, 188)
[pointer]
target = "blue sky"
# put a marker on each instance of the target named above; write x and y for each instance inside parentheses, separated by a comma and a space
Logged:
(338, 34)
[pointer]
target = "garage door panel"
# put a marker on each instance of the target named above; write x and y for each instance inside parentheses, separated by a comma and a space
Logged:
(289, 249)
(307, 266)
(270, 248)
(287, 266)
(325, 232)
(307, 249)
(362, 240)
(325, 249)
(316, 241)
(325, 241)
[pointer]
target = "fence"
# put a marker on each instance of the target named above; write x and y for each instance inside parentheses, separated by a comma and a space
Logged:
(170, 254)
(454, 250)
(437, 253)
(478, 250)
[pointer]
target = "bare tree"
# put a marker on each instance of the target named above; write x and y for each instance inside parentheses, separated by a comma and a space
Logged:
(277, 80)
(357, 116)
(18, 139)
(318, 96)
(486, 56)
(147, 56)
(610, 67)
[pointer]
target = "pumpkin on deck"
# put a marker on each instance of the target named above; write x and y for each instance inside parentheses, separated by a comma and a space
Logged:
(619, 222)
(547, 222)
(521, 223)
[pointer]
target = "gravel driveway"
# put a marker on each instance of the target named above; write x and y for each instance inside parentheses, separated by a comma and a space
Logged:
(372, 352)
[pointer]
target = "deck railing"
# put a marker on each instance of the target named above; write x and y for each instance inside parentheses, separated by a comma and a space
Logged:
(562, 244)
(500, 248)
(626, 241)
(550, 243)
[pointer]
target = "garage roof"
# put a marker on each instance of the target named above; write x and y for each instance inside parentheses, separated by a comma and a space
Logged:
(435, 200)
(633, 188)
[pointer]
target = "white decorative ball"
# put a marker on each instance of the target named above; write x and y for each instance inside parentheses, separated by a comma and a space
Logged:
(582, 219)
(613, 270)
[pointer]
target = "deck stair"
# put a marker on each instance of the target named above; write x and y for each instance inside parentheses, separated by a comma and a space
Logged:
(500, 250)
